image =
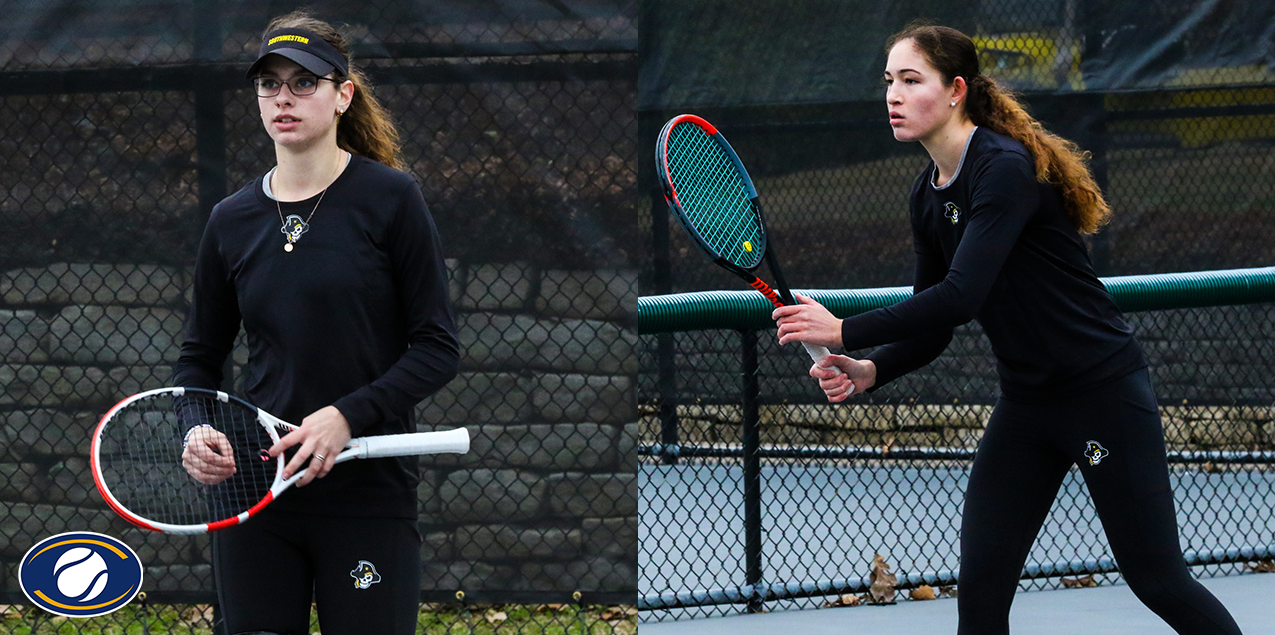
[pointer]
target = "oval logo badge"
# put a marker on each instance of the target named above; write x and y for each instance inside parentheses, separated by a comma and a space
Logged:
(80, 574)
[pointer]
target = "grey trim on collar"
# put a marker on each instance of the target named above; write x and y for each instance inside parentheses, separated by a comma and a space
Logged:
(265, 183)
(955, 174)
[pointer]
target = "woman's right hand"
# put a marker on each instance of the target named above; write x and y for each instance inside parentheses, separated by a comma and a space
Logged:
(855, 377)
(208, 457)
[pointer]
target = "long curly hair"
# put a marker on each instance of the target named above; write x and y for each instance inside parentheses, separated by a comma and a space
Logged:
(1058, 161)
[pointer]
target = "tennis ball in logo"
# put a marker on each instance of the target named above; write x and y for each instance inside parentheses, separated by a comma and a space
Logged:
(748, 246)
(81, 574)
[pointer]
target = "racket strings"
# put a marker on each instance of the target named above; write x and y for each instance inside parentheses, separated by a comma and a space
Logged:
(140, 458)
(714, 195)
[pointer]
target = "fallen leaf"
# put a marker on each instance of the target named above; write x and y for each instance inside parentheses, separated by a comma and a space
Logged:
(948, 591)
(197, 614)
(1076, 583)
(883, 582)
(1263, 566)
(612, 613)
(923, 592)
(848, 599)
(496, 617)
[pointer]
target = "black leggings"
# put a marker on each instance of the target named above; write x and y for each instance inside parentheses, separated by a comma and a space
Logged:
(364, 574)
(1114, 434)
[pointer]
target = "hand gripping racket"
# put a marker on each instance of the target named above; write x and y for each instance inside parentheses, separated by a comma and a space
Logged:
(136, 458)
(709, 191)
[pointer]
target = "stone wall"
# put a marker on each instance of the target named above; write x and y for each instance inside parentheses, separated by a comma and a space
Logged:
(546, 500)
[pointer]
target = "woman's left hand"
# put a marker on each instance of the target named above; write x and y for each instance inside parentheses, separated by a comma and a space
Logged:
(808, 322)
(324, 433)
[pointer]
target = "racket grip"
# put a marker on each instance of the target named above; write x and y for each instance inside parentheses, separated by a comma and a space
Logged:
(450, 441)
(818, 354)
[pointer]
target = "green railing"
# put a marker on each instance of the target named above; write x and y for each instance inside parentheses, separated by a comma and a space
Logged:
(748, 310)
(701, 433)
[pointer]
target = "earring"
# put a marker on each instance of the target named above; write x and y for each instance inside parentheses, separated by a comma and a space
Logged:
(953, 104)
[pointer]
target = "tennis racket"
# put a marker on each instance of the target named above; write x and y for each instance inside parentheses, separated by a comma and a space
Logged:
(709, 191)
(136, 458)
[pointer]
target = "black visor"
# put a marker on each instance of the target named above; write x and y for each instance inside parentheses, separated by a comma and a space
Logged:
(307, 49)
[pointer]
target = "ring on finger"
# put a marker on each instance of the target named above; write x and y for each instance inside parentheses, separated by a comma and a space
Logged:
(319, 457)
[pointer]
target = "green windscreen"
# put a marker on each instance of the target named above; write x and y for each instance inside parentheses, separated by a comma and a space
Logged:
(714, 196)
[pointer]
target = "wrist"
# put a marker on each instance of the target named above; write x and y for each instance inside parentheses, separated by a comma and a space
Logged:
(186, 438)
(870, 371)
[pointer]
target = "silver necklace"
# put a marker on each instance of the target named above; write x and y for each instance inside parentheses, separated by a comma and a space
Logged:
(293, 227)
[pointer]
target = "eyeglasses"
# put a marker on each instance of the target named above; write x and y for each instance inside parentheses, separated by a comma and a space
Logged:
(299, 85)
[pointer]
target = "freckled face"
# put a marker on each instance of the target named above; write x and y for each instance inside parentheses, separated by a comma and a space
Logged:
(915, 94)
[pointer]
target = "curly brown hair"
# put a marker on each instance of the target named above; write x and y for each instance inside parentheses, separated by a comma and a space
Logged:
(1058, 161)
(366, 128)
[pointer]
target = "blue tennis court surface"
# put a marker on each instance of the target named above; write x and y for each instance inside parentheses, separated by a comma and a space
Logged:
(827, 522)
(1106, 610)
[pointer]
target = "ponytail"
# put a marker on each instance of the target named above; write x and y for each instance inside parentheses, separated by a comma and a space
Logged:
(366, 128)
(1057, 161)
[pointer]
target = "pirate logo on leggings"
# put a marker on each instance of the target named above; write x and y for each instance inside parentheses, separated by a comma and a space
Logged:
(1095, 452)
(365, 575)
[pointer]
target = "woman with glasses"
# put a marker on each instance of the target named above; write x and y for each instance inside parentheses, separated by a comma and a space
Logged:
(332, 264)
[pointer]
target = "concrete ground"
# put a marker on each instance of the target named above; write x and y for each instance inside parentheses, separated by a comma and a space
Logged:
(1106, 610)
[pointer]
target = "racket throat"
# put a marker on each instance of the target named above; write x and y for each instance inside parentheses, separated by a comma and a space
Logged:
(785, 296)
(765, 290)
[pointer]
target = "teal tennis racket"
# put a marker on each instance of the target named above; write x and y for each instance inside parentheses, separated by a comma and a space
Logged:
(710, 192)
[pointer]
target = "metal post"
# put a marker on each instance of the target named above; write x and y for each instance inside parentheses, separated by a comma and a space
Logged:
(1096, 120)
(210, 129)
(752, 469)
(668, 399)
(667, 364)
(210, 111)
(1098, 164)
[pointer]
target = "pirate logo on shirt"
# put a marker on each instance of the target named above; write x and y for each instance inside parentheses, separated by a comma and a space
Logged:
(951, 212)
(293, 227)
(365, 575)
(1095, 452)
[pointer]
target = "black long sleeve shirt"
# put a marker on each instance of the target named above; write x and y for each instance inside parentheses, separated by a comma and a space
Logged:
(996, 245)
(356, 316)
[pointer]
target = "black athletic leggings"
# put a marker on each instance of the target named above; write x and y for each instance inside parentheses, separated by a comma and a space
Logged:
(364, 574)
(1113, 433)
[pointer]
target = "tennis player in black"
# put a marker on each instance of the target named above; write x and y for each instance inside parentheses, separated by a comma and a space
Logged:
(332, 264)
(997, 219)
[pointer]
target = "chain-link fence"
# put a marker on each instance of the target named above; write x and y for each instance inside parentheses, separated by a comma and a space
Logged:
(756, 493)
(1175, 101)
(126, 123)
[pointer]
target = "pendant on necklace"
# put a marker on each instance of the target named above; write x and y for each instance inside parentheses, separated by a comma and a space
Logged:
(287, 247)
(292, 229)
